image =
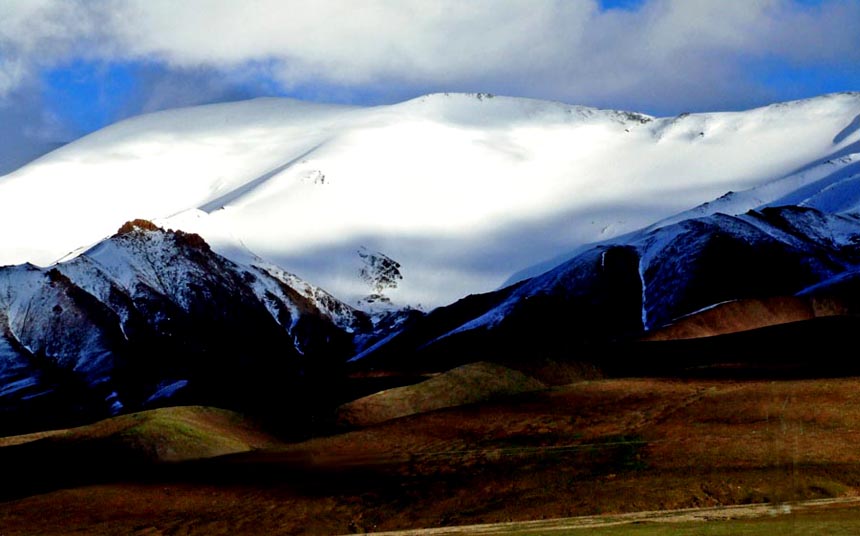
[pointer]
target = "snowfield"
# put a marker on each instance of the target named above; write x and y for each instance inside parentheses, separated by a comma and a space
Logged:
(462, 191)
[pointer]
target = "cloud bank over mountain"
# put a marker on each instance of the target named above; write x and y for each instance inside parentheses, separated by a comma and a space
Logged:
(654, 55)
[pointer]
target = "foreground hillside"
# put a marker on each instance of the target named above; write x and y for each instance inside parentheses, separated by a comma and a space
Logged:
(128, 446)
(592, 447)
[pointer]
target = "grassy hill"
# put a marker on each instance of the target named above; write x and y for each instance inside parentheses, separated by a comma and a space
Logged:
(587, 448)
(468, 384)
(127, 446)
(160, 435)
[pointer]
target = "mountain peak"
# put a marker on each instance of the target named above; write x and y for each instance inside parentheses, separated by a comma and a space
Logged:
(150, 314)
(137, 225)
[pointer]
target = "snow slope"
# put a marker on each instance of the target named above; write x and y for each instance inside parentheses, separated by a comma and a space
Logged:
(459, 191)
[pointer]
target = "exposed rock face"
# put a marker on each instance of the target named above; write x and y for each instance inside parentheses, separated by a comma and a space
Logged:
(380, 272)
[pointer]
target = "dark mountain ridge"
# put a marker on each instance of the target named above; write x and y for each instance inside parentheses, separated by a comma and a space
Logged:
(618, 292)
(151, 317)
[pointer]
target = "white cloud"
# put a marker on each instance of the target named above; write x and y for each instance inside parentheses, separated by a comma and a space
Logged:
(12, 73)
(692, 52)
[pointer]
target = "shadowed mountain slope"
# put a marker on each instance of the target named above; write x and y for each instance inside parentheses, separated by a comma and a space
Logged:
(152, 317)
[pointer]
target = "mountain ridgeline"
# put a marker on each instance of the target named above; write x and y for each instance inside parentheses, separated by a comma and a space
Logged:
(151, 317)
(617, 292)
(410, 207)
(425, 201)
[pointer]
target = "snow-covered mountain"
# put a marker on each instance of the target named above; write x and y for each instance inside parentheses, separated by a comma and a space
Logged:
(632, 285)
(420, 202)
(591, 226)
(148, 315)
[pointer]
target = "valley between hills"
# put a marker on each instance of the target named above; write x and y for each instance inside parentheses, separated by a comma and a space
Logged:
(588, 448)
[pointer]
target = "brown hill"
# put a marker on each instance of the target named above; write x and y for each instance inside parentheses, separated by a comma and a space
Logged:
(476, 382)
(160, 435)
(588, 448)
(747, 314)
(128, 447)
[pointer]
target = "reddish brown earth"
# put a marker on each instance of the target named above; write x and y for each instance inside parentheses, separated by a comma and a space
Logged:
(594, 447)
(748, 314)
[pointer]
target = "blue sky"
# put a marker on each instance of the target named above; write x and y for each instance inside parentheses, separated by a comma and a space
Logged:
(61, 79)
